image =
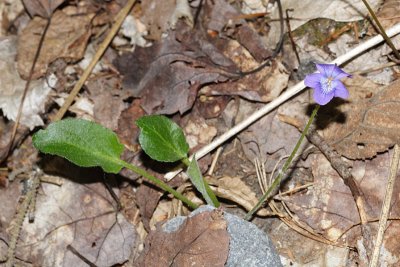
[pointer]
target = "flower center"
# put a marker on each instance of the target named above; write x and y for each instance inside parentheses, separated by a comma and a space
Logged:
(326, 84)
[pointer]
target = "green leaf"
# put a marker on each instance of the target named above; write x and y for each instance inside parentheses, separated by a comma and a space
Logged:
(194, 173)
(162, 139)
(85, 143)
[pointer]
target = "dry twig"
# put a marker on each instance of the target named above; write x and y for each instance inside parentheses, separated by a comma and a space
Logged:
(394, 166)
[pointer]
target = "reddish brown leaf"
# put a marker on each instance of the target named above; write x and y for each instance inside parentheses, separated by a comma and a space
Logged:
(328, 206)
(202, 240)
(43, 8)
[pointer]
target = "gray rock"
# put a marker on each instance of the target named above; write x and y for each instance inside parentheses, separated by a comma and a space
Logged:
(249, 246)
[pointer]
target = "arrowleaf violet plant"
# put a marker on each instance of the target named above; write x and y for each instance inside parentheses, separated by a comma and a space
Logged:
(88, 144)
(326, 85)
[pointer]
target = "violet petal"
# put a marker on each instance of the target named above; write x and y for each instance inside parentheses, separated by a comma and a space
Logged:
(322, 98)
(313, 80)
(340, 90)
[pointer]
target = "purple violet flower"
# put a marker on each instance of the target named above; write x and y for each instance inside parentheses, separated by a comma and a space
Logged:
(326, 83)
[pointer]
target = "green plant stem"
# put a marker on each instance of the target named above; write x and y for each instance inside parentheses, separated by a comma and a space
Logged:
(206, 185)
(159, 183)
(381, 29)
(285, 167)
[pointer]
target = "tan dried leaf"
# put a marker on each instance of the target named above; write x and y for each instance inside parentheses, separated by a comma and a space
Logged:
(66, 38)
(234, 189)
(372, 125)
(201, 239)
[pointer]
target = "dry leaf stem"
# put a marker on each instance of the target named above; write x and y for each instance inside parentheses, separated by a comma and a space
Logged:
(386, 206)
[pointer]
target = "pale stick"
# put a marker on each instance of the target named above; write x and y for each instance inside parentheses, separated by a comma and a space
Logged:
(284, 97)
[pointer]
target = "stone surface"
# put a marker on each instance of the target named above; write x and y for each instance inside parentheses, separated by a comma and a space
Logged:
(249, 246)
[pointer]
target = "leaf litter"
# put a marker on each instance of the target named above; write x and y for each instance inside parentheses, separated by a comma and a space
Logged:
(193, 71)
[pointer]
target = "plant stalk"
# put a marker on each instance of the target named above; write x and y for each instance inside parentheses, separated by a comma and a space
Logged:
(285, 167)
(159, 183)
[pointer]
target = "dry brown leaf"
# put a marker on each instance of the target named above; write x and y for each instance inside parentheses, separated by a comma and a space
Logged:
(371, 176)
(211, 107)
(13, 88)
(269, 139)
(43, 8)
(66, 38)
(370, 126)
(234, 189)
(202, 240)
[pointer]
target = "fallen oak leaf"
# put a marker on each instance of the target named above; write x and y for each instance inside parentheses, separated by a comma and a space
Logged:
(371, 126)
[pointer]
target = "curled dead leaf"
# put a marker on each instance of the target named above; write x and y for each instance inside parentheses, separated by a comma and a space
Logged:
(234, 189)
